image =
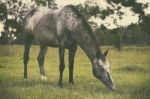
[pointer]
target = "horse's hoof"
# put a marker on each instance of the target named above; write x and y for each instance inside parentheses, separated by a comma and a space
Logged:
(60, 85)
(71, 83)
(43, 78)
(25, 79)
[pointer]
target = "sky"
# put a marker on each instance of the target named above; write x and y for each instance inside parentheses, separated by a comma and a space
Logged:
(128, 18)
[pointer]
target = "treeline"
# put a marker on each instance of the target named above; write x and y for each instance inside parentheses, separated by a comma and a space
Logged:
(117, 37)
(123, 36)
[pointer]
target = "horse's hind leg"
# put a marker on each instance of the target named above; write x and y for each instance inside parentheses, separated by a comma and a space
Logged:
(72, 51)
(41, 58)
(28, 42)
(62, 63)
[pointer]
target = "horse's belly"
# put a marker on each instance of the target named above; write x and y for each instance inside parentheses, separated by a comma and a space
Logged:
(48, 39)
(53, 43)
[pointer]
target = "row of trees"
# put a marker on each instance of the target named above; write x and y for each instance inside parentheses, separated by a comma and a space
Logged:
(13, 11)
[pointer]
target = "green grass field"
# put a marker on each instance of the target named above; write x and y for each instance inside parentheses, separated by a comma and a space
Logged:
(130, 71)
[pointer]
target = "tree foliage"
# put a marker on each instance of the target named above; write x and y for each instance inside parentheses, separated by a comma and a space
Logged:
(137, 8)
(92, 9)
(11, 15)
(48, 3)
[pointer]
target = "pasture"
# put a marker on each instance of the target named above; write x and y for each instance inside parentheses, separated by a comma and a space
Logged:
(130, 70)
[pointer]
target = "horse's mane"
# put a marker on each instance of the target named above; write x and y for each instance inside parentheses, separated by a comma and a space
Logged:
(80, 16)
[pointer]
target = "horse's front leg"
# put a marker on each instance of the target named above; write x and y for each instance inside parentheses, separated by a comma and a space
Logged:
(72, 51)
(28, 41)
(41, 58)
(61, 64)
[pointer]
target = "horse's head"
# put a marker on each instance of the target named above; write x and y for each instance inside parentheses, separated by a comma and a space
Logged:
(102, 72)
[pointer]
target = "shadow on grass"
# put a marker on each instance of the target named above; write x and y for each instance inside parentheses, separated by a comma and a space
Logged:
(142, 92)
(2, 66)
(12, 89)
(134, 91)
(5, 94)
(24, 83)
(138, 90)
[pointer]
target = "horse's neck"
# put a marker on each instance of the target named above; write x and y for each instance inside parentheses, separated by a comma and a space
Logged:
(90, 51)
(90, 47)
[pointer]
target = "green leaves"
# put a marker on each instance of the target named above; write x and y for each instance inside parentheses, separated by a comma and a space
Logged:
(12, 13)
(145, 23)
(3, 11)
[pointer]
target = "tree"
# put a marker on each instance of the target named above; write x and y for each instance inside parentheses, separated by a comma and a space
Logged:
(12, 13)
(145, 23)
(48, 3)
(137, 8)
(11, 16)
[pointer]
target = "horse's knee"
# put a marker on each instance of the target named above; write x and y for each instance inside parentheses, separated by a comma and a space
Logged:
(61, 67)
(26, 58)
(40, 60)
(41, 56)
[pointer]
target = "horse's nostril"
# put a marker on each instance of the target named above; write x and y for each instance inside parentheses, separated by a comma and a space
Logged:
(112, 88)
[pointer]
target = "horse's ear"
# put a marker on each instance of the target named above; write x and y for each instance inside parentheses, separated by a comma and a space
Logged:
(106, 52)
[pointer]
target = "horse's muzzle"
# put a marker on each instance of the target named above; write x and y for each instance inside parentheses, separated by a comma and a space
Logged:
(112, 88)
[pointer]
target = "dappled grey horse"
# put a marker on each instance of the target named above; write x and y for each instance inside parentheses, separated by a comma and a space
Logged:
(64, 28)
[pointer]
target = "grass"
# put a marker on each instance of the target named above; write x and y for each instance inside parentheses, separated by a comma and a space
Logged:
(130, 71)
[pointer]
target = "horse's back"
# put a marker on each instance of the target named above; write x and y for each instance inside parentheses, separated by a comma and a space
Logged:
(48, 26)
(33, 17)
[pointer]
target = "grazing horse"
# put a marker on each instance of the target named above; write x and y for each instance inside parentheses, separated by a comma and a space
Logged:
(64, 28)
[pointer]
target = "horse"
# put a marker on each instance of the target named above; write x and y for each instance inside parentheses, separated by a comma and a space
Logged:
(64, 28)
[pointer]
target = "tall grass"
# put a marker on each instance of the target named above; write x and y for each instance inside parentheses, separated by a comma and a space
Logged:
(130, 71)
